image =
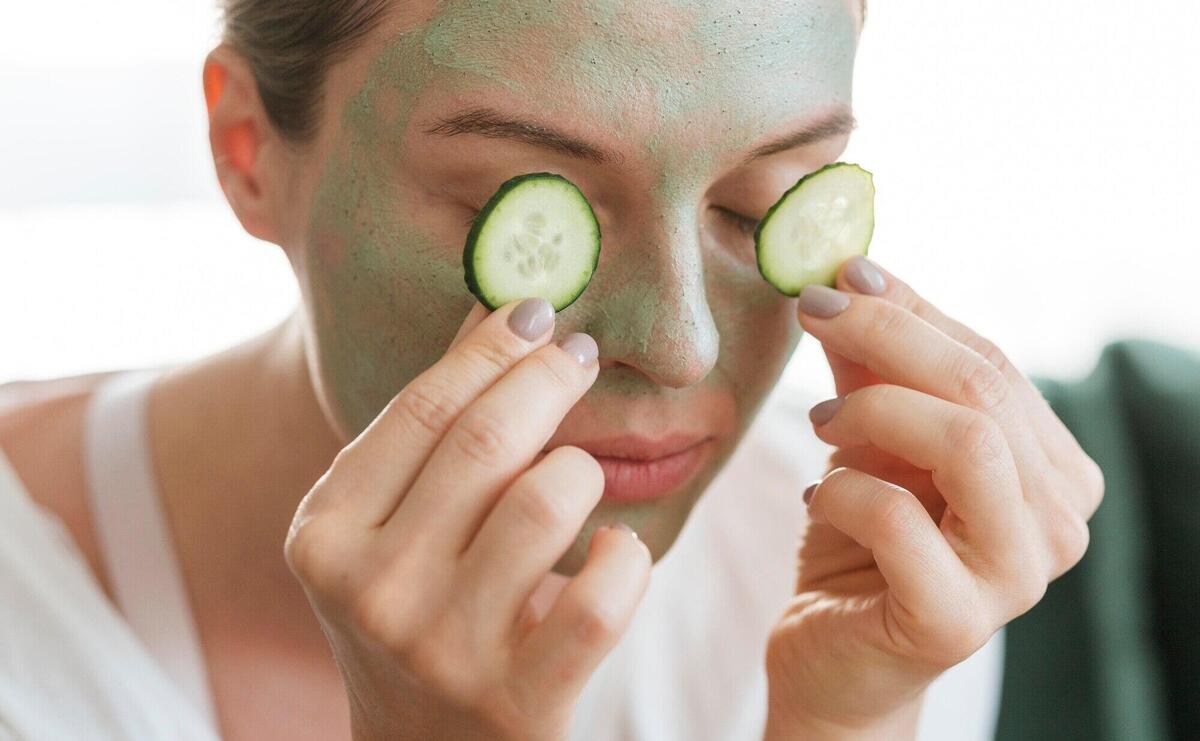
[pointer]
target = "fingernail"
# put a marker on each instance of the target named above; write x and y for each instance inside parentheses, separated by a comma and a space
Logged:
(865, 276)
(822, 302)
(531, 318)
(823, 412)
(624, 528)
(808, 493)
(581, 347)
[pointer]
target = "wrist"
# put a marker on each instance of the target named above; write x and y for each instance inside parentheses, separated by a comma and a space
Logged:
(897, 726)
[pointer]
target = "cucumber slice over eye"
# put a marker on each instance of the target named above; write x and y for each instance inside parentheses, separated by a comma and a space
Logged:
(536, 237)
(824, 219)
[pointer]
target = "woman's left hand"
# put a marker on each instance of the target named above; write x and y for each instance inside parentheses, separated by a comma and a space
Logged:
(954, 497)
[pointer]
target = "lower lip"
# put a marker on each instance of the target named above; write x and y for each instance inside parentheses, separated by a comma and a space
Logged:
(627, 481)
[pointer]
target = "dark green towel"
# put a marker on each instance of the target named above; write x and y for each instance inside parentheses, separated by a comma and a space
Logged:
(1112, 653)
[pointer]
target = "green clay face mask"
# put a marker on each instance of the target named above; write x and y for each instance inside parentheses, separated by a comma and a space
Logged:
(681, 90)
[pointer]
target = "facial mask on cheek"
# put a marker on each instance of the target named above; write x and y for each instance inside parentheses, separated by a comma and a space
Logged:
(386, 297)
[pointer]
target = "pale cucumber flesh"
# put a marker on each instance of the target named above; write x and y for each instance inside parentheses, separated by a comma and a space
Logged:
(826, 218)
(536, 237)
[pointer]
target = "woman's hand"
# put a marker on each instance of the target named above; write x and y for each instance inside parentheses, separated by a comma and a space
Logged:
(420, 547)
(954, 496)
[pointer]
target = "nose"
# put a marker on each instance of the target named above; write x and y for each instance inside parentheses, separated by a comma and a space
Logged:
(648, 306)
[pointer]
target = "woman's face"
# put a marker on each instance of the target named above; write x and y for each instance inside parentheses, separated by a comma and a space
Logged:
(656, 110)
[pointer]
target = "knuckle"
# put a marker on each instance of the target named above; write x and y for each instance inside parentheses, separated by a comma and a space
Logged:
(428, 408)
(308, 549)
(545, 511)
(1072, 543)
(884, 320)
(1021, 578)
(1094, 478)
(892, 514)
(871, 399)
(1028, 591)
(982, 385)
(483, 439)
(978, 436)
(595, 625)
(561, 374)
(991, 353)
(491, 358)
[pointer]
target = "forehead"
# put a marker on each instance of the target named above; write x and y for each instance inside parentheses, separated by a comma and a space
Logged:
(683, 87)
(650, 66)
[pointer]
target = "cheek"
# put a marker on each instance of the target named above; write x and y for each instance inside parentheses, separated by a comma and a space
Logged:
(759, 332)
(384, 302)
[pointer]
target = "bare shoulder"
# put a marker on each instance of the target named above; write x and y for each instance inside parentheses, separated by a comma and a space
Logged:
(41, 431)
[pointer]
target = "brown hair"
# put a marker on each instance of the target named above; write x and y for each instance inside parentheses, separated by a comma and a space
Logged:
(290, 44)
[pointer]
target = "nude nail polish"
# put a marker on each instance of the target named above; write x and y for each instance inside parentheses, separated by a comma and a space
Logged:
(823, 412)
(864, 276)
(581, 347)
(531, 318)
(822, 302)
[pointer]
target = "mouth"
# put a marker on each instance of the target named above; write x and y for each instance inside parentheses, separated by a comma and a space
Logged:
(638, 469)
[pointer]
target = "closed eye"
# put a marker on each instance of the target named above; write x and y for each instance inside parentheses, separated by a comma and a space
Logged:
(744, 224)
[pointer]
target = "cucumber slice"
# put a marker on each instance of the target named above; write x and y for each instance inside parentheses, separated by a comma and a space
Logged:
(825, 218)
(536, 237)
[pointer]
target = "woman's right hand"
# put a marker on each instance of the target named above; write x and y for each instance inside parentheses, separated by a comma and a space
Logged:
(420, 547)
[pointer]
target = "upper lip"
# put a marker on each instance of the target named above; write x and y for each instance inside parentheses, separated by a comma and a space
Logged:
(637, 448)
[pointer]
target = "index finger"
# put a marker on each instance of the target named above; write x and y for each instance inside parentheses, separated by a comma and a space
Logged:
(862, 275)
(370, 476)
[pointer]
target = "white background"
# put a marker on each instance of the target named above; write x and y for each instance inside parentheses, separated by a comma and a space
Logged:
(1036, 164)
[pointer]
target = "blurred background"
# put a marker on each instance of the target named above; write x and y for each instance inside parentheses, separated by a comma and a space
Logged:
(1036, 165)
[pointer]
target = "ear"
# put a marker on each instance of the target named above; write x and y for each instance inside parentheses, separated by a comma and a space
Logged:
(241, 136)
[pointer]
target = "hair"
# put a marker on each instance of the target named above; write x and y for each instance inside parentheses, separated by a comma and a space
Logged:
(290, 45)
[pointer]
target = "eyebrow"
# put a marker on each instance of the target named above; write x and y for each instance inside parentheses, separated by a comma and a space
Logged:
(493, 124)
(838, 122)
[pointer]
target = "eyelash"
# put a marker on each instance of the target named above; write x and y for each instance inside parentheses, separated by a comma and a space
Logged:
(744, 224)
(473, 214)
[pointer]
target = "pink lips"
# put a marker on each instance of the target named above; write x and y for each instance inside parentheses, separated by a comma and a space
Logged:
(638, 469)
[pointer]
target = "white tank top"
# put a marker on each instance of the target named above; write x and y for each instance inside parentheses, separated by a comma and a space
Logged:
(73, 666)
(689, 667)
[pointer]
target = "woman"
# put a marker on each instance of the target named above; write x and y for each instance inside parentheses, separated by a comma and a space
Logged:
(443, 497)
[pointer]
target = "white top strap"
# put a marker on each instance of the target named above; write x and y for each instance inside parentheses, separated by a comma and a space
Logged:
(133, 535)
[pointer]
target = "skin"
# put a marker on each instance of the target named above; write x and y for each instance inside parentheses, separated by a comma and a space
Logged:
(894, 584)
(953, 498)
(691, 339)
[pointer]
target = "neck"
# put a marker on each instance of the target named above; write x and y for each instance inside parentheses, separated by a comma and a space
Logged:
(237, 440)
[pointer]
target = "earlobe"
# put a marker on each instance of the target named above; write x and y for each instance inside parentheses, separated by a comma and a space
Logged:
(238, 130)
